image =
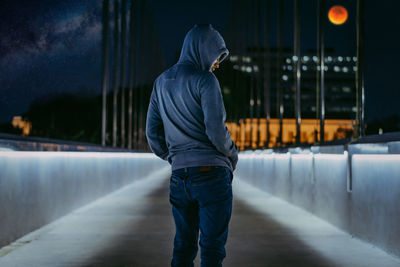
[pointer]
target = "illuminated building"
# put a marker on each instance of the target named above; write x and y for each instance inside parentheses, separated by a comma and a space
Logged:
(25, 126)
(240, 134)
(246, 72)
(340, 96)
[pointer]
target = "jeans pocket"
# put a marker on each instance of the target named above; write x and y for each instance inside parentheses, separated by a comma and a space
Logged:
(203, 178)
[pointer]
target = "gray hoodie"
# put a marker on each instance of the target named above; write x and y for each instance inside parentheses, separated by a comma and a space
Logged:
(186, 115)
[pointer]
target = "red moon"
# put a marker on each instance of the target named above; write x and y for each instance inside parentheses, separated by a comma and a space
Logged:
(338, 15)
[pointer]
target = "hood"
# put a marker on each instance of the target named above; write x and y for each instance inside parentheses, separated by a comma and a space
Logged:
(202, 46)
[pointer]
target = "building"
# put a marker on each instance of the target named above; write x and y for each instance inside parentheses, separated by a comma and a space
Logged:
(243, 82)
(25, 126)
(245, 134)
(340, 85)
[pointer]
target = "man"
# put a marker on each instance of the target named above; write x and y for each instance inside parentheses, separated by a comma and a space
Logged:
(186, 126)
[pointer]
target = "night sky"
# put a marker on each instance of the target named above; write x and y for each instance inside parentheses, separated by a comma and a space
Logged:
(55, 46)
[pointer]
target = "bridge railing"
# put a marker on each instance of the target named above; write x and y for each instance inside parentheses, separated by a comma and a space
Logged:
(11, 142)
(354, 186)
(38, 187)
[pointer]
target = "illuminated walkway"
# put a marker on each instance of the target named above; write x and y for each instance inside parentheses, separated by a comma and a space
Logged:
(134, 227)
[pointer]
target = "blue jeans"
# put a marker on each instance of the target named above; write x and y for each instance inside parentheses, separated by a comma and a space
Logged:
(201, 199)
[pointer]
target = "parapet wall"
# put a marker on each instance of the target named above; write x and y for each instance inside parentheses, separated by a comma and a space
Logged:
(37, 188)
(354, 188)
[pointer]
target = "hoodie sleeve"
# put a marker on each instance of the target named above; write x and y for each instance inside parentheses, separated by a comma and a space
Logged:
(214, 117)
(155, 129)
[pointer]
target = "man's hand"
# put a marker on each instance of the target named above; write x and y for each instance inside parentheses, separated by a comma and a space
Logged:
(234, 159)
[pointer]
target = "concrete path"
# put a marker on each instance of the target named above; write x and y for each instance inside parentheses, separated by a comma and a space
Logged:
(133, 227)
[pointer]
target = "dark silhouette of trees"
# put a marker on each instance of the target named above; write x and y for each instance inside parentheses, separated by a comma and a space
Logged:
(66, 116)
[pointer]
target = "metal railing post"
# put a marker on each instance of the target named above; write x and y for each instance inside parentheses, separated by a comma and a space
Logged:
(297, 69)
(105, 72)
(116, 80)
(360, 74)
(320, 106)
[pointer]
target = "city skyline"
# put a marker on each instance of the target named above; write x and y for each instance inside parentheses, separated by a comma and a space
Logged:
(56, 47)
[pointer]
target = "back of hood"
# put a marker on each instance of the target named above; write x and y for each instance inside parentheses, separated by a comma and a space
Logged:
(202, 46)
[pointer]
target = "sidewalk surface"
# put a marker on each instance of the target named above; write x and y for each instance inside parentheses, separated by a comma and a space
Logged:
(133, 227)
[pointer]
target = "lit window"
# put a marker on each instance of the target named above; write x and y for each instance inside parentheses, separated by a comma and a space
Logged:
(348, 59)
(289, 67)
(288, 61)
(304, 67)
(329, 59)
(345, 69)
(246, 59)
(248, 69)
(340, 59)
(326, 68)
(315, 58)
(285, 77)
(354, 68)
(306, 58)
(336, 69)
(255, 68)
(295, 58)
(346, 89)
(243, 68)
(355, 59)
(233, 58)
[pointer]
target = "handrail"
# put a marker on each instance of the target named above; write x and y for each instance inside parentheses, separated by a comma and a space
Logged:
(30, 143)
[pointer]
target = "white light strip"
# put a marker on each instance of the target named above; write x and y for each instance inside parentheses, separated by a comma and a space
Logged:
(319, 155)
(376, 157)
(332, 156)
(306, 156)
(73, 154)
(302, 156)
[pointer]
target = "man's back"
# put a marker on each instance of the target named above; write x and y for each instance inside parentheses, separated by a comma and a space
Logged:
(186, 116)
(180, 101)
(186, 126)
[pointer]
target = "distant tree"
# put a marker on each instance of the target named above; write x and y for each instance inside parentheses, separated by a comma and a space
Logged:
(9, 128)
(73, 117)
(66, 116)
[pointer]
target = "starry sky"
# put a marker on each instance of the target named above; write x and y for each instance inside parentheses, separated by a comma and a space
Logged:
(50, 46)
(47, 47)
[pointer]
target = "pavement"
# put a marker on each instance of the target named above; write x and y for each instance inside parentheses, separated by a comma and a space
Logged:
(133, 227)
